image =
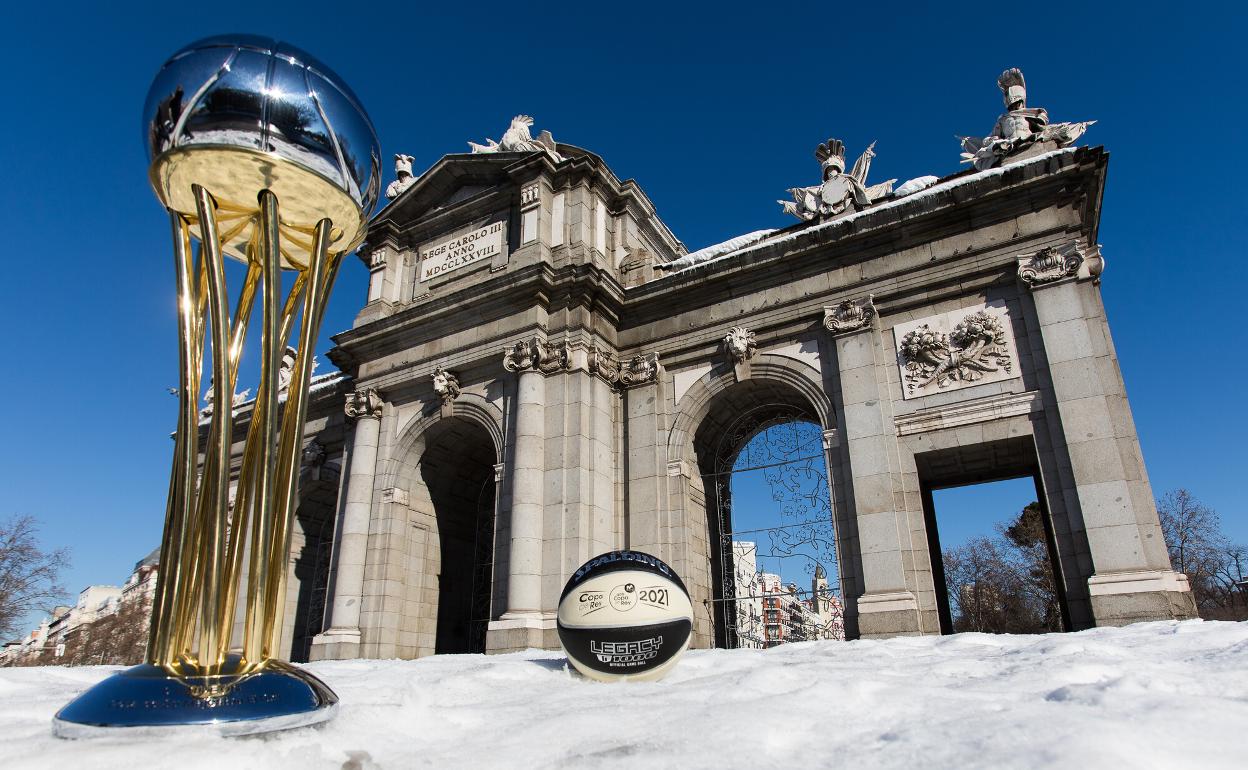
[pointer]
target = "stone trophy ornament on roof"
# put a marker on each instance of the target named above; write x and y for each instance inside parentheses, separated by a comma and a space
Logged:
(839, 192)
(404, 177)
(518, 139)
(1021, 132)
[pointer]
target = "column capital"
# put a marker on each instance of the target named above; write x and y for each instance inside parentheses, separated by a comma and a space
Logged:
(537, 354)
(364, 402)
(852, 315)
(604, 364)
(640, 370)
(1054, 264)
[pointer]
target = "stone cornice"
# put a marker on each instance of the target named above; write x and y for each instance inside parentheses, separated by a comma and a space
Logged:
(1073, 178)
(540, 284)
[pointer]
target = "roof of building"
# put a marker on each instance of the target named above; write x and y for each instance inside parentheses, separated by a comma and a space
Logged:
(151, 560)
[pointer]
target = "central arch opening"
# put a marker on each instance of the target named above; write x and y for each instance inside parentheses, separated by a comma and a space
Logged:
(775, 576)
(457, 468)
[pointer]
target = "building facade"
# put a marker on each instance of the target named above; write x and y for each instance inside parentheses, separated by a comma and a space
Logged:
(541, 372)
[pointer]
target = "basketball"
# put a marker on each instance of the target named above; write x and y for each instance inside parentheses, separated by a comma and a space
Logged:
(624, 615)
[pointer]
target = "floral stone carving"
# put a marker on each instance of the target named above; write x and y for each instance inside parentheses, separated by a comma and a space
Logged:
(978, 347)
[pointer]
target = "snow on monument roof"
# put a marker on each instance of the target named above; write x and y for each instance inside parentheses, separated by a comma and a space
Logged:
(754, 243)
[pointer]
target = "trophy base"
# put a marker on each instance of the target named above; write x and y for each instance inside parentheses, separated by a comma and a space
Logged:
(147, 699)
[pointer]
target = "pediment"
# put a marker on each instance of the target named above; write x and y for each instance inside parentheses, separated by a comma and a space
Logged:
(450, 181)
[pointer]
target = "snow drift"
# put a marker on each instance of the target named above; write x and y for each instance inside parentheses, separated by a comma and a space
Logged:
(1166, 694)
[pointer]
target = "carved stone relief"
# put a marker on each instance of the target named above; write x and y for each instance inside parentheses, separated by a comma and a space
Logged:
(545, 357)
(517, 138)
(363, 403)
(850, 315)
(1020, 129)
(404, 177)
(741, 344)
(519, 356)
(604, 365)
(640, 369)
(552, 356)
(314, 459)
(446, 385)
(955, 350)
(1049, 264)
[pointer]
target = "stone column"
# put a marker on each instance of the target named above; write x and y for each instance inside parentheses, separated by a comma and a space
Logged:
(342, 639)
(1133, 580)
(649, 525)
(525, 623)
(887, 606)
(524, 594)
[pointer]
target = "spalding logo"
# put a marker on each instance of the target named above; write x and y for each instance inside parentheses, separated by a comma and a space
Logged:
(626, 653)
(644, 558)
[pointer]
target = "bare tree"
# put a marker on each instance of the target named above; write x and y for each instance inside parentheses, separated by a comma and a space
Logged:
(120, 638)
(28, 575)
(1199, 549)
(1004, 584)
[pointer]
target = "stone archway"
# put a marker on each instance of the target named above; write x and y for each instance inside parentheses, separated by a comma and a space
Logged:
(715, 419)
(441, 488)
(457, 473)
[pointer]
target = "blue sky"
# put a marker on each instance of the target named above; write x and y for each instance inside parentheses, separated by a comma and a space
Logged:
(714, 109)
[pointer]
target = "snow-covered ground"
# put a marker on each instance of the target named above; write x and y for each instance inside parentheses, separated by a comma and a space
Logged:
(1163, 695)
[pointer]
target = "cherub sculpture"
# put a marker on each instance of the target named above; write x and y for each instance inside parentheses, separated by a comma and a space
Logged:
(1021, 127)
(839, 191)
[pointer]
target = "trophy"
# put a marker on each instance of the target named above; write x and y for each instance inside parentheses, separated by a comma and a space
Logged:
(260, 153)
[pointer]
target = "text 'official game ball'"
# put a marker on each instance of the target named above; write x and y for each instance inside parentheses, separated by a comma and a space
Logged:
(625, 615)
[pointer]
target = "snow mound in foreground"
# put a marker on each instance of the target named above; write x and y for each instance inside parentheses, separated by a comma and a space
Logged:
(1161, 694)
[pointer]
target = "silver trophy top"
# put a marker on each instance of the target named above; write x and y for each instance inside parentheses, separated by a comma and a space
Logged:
(239, 113)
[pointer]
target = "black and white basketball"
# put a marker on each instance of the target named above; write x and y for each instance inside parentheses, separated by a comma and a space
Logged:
(625, 615)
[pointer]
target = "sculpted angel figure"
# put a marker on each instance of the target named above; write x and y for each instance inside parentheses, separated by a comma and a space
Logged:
(1020, 127)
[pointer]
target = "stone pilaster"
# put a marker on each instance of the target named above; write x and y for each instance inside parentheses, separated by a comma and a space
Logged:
(1133, 580)
(888, 606)
(649, 516)
(524, 623)
(342, 638)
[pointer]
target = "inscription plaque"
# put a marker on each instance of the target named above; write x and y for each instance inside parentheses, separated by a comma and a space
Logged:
(462, 250)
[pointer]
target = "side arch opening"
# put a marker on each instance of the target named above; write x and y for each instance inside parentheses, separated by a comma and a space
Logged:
(762, 475)
(457, 469)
